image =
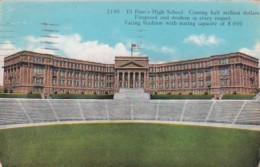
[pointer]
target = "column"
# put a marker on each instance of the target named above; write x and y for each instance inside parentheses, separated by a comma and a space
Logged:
(133, 79)
(123, 79)
(117, 80)
(139, 81)
(128, 77)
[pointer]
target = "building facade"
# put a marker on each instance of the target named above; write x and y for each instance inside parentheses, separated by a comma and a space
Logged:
(29, 72)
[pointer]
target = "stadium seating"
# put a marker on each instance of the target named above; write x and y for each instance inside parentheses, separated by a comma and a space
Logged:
(24, 111)
(11, 112)
(225, 111)
(197, 110)
(250, 114)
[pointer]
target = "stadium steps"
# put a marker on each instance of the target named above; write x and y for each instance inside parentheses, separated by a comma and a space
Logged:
(197, 111)
(225, 111)
(93, 109)
(170, 110)
(39, 111)
(250, 114)
(66, 110)
(11, 112)
(131, 94)
(120, 110)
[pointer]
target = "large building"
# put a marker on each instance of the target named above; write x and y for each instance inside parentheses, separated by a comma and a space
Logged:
(28, 72)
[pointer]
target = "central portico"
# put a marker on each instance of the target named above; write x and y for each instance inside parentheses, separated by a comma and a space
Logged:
(131, 72)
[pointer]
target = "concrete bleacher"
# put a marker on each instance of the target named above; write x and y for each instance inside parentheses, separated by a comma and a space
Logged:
(93, 110)
(66, 110)
(225, 111)
(170, 110)
(250, 114)
(24, 111)
(11, 112)
(197, 110)
(39, 111)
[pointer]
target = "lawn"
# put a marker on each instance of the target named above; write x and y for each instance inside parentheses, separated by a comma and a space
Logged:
(128, 144)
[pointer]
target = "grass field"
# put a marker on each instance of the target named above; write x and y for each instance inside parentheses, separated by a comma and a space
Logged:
(128, 144)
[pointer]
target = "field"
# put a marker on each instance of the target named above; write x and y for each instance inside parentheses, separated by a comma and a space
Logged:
(128, 144)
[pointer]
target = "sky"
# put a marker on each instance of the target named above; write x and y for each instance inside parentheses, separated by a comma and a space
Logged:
(99, 31)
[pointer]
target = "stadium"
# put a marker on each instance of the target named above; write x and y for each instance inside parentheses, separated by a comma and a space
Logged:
(129, 130)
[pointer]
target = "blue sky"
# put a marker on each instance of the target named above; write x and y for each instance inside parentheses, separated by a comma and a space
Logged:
(87, 32)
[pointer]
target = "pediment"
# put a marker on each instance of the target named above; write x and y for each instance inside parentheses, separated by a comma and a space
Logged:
(131, 64)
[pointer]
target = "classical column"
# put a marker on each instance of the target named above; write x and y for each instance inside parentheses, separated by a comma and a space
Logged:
(128, 81)
(123, 79)
(139, 81)
(133, 79)
(117, 80)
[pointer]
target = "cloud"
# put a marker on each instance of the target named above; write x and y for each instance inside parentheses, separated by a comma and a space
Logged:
(7, 48)
(162, 49)
(202, 40)
(72, 46)
(255, 51)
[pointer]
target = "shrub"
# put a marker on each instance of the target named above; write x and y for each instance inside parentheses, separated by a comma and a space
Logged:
(169, 93)
(55, 92)
(235, 92)
(155, 93)
(82, 93)
(190, 93)
(180, 93)
(206, 93)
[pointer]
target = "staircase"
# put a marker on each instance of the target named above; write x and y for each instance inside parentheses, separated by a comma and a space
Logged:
(131, 94)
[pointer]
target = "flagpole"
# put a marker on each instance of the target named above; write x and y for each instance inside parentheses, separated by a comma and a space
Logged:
(131, 50)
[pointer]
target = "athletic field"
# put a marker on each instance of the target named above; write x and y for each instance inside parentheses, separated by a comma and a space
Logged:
(128, 144)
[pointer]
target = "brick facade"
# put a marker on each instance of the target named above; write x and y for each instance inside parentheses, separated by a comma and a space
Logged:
(34, 72)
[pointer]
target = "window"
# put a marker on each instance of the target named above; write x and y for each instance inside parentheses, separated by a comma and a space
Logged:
(225, 82)
(179, 84)
(193, 75)
(96, 84)
(89, 84)
(160, 77)
(172, 76)
(76, 83)
(38, 81)
(224, 71)
(77, 75)
(152, 85)
(96, 76)
(152, 78)
(223, 61)
(62, 73)
(83, 83)
(185, 75)
(201, 74)
(89, 76)
(186, 84)
(54, 82)
(101, 84)
(166, 85)
(172, 84)
(166, 77)
(69, 83)
(193, 83)
(70, 73)
(179, 75)
(201, 83)
(62, 82)
(160, 85)
(37, 70)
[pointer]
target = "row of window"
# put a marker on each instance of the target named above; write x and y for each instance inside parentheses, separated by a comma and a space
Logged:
(180, 67)
(180, 84)
(83, 66)
(179, 76)
(70, 74)
(81, 83)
